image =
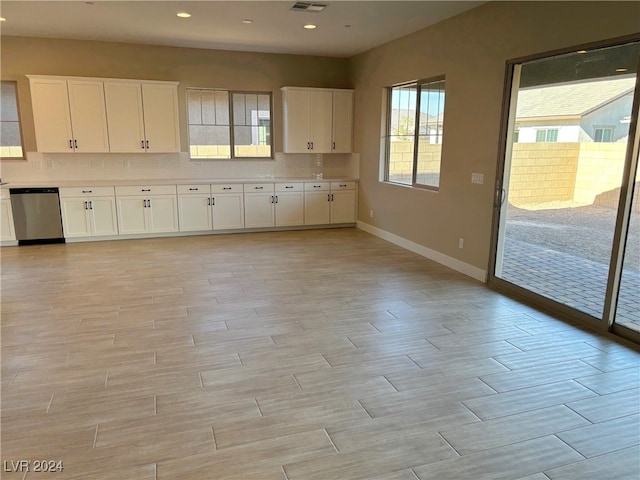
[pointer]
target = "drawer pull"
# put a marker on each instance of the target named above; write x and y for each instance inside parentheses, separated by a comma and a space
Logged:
(317, 186)
(289, 186)
(226, 188)
(145, 190)
(258, 188)
(87, 191)
(193, 189)
(342, 186)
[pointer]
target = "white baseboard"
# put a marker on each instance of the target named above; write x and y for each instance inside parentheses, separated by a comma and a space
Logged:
(453, 263)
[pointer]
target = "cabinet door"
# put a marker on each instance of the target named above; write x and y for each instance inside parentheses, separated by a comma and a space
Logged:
(51, 115)
(75, 217)
(194, 212)
(297, 105)
(343, 206)
(124, 117)
(88, 116)
(289, 209)
(162, 213)
(342, 129)
(160, 106)
(102, 213)
(317, 208)
(321, 121)
(132, 214)
(6, 221)
(228, 211)
(258, 210)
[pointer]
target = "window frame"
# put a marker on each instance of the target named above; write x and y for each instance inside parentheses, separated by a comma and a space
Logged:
(603, 130)
(546, 131)
(17, 105)
(232, 126)
(416, 133)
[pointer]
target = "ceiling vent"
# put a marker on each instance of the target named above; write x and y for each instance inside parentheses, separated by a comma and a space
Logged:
(308, 7)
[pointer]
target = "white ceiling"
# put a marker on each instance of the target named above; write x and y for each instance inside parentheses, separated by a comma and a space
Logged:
(218, 24)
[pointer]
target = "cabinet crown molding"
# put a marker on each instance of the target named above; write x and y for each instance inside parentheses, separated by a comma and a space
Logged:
(100, 79)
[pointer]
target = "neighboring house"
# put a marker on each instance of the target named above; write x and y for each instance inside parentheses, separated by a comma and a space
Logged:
(403, 122)
(593, 111)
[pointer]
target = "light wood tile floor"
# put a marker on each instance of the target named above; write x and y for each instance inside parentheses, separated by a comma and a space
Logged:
(325, 355)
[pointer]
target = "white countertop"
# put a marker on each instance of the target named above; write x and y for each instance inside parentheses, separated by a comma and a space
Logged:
(168, 181)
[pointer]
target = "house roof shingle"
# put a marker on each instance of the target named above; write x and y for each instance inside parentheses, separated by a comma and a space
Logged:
(571, 99)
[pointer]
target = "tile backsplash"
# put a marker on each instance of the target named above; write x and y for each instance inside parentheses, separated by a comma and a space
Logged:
(48, 167)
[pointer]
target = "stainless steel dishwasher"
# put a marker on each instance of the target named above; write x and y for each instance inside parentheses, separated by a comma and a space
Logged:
(36, 215)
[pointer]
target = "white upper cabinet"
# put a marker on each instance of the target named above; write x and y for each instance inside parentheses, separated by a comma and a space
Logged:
(89, 115)
(142, 116)
(69, 115)
(342, 127)
(317, 120)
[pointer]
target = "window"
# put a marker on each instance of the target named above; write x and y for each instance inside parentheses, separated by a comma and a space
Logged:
(224, 124)
(603, 134)
(414, 133)
(10, 135)
(547, 135)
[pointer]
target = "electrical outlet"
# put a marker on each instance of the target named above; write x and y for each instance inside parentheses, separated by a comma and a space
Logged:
(461, 243)
(371, 213)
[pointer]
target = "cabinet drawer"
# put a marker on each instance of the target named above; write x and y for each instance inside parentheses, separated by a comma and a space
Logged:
(343, 186)
(227, 188)
(146, 190)
(187, 189)
(258, 187)
(66, 192)
(289, 187)
(316, 186)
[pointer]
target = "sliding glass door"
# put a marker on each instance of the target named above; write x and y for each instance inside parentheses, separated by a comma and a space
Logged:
(565, 208)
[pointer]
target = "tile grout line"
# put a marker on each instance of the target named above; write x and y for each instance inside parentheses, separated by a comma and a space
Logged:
(258, 407)
(449, 443)
(389, 382)
(213, 434)
(201, 382)
(414, 474)
(296, 380)
(106, 379)
(331, 440)
(419, 366)
(364, 408)
(286, 477)
(50, 402)
(155, 404)
(155, 471)
(568, 445)
(95, 437)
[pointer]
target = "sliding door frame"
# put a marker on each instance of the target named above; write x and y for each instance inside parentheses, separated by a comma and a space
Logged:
(561, 310)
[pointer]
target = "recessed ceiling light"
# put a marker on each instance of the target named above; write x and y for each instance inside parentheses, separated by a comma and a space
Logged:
(183, 14)
(2, 19)
(581, 51)
(621, 69)
(310, 26)
(247, 21)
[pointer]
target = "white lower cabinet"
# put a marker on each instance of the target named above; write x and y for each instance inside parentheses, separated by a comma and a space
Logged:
(210, 207)
(227, 206)
(343, 202)
(259, 205)
(330, 203)
(289, 204)
(88, 211)
(145, 209)
(7, 232)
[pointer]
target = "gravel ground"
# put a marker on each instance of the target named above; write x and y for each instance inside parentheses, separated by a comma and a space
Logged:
(586, 231)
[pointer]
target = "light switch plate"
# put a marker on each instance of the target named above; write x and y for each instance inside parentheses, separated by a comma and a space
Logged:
(477, 178)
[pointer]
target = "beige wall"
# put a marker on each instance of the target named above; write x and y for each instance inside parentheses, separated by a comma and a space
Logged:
(471, 50)
(192, 68)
